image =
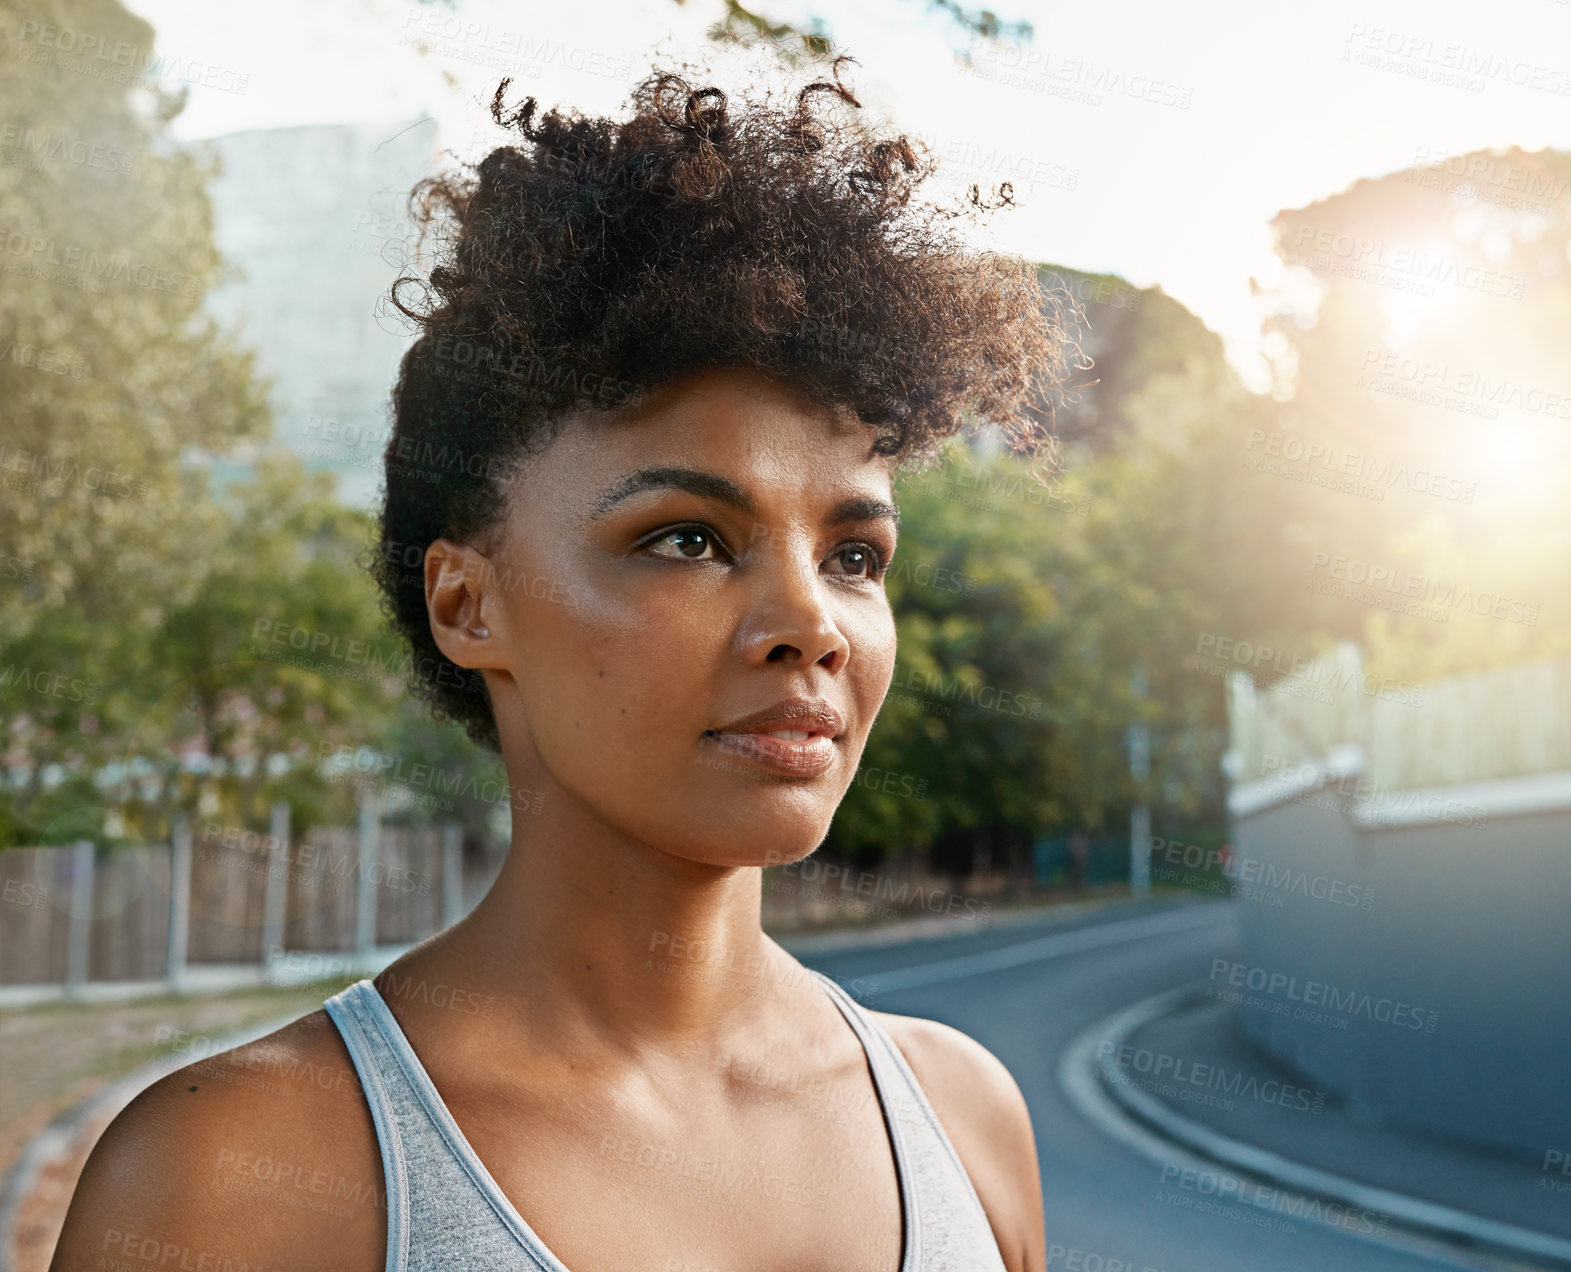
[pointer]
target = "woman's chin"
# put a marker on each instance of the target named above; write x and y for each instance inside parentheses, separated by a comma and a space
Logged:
(754, 850)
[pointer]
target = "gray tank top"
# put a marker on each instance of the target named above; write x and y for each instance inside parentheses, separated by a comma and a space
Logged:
(444, 1210)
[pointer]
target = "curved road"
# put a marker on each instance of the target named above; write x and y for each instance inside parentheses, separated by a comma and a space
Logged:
(1025, 990)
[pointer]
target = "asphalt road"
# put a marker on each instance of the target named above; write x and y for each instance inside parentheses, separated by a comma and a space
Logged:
(1024, 991)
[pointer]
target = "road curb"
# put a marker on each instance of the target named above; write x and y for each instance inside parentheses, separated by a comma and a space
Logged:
(1141, 1120)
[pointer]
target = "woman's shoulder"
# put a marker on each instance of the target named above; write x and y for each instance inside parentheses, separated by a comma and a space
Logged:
(981, 1108)
(263, 1156)
(966, 1083)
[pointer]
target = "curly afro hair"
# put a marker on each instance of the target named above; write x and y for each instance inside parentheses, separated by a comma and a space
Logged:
(594, 259)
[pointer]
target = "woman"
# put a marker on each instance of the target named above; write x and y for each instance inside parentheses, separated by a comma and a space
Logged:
(642, 461)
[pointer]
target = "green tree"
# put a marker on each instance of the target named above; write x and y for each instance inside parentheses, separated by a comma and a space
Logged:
(111, 377)
(1026, 612)
(1421, 341)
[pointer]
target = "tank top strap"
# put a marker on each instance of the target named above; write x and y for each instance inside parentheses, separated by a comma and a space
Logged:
(952, 1230)
(444, 1209)
(450, 1212)
(374, 1061)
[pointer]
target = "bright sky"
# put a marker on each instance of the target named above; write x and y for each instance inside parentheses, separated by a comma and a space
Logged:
(1156, 140)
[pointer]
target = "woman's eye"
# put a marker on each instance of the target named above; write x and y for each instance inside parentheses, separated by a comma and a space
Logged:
(865, 561)
(698, 543)
(697, 540)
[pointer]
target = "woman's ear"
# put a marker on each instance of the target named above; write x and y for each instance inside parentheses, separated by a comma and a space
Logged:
(462, 600)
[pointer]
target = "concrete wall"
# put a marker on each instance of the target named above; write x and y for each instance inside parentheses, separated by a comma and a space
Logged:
(1465, 947)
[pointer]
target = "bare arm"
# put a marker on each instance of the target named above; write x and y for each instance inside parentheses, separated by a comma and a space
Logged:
(235, 1161)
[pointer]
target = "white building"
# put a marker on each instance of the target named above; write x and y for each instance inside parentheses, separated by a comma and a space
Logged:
(313, 225)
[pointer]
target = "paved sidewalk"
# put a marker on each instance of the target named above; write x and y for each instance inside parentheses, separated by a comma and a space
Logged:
(1195, 1064)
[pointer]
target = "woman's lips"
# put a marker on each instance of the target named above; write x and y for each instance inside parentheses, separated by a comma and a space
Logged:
(796, 759)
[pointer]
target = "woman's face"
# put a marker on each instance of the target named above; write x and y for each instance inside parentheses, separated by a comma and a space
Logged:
(663, 576)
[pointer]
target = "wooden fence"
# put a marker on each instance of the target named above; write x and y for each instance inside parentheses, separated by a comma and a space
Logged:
(222, 906)
(1508, 723)
(221, 896)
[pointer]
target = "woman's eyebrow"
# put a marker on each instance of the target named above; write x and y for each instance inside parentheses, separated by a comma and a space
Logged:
(713, 486)
(863, 508)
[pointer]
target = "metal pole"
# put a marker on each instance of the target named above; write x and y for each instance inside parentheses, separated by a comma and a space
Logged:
(179, 900)
(277, 884)
(1140, 815)
(1140, 851)
(365, 907)
(81, 915)
(452, 874)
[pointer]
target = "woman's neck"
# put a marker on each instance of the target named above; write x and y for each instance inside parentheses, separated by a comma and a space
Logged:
(592, 940)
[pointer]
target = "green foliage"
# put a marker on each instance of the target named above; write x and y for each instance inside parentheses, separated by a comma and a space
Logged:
(1027, 611)
(111, 378)
(107, 253)
(142, 607)
(1128, 335)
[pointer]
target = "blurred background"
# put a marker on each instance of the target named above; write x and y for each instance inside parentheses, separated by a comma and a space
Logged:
(1224, 788)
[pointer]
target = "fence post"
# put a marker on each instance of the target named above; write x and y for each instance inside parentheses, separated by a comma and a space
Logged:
(452, 873)
(277, 883)
(179, 900)
(365, 899)
(82, 864)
